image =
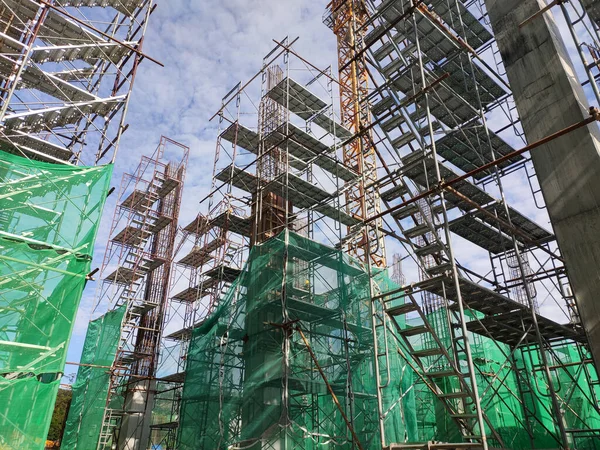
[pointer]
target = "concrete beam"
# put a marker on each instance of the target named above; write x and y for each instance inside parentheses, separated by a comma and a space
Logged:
(549, 98)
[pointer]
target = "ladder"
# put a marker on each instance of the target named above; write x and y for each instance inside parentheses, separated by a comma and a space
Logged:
(436, 366)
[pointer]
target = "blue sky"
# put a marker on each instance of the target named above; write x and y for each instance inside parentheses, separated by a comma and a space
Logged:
(207, 47)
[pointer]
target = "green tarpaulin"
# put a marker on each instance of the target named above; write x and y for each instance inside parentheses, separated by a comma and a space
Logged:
(49, 216)
(90, 391)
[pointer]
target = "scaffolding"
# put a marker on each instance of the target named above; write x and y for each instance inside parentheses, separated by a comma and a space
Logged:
(482, 348)
(435, 95)
(49, 219)
(135, 273)
(66, 75)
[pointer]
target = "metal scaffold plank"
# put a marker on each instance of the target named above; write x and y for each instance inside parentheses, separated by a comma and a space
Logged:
(463, 22)
(139, 201)
(535, 232)
(592, 7)
(232, 222)
(241, 136)
(201, 255)
(126, 7)
(469, 148)
(421, 169)
(132, 236)
(196, 226)
(166, 186)
(34, 147)
(304, 147)
(193, 293)
(454, 101)
(124, 275)
(300, 192)
(238, 178)
(306, 105)
(195, 258)
(336, 214)
(481, 234)
(509, 328)
(56, 29)
(40, 120)
(433, 42)
(504, 314)
(223, 272)
(90, 53)
(34, 78)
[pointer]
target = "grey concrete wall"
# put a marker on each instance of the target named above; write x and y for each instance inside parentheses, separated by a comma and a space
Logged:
(549, 98)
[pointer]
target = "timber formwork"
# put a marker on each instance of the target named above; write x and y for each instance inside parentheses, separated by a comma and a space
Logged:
(66, 74)
(136, 272)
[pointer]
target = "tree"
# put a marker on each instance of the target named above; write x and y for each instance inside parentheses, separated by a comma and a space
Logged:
(59, 416)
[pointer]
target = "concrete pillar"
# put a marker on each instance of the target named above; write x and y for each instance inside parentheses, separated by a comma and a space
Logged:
(134, 433)
(549, 98)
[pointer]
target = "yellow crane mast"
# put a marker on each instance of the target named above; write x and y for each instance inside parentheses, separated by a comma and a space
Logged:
(347, 19)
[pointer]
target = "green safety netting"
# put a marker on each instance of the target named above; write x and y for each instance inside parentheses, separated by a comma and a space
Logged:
(251, 382)
(250, 379)
(90, 390)
(513, 390)
(49, 216)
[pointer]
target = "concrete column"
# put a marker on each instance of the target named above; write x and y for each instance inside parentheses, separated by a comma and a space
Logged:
(549, 98)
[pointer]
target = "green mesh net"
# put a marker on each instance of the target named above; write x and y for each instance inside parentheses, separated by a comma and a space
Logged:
(250, 378)
(90, 390)
(49, 216)
(251, 382)
(513, 390)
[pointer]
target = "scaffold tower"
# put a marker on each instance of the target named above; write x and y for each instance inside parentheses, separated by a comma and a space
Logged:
(474, 342)
(66, 75)
(136, 273)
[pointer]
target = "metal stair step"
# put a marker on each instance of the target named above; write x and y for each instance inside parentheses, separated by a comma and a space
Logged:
(427, 352)
(403, 139)
(460, 394)
(406, 211)
(414, 331)
(394, 193)
(464, 416)
(439, 269)
(401, 309)
(429, 249)
(418, 230)
(442, 373)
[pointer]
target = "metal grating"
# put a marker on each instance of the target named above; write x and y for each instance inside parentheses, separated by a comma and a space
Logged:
(469, 148)
(534, 231)
(422, 170)
(242, 136)
(300, 192)
(306, 105)
(239, 178)
(481, 234)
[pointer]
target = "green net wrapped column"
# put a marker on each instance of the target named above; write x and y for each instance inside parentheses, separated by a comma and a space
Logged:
(90, 391)
(251, 380)
(49, 216)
